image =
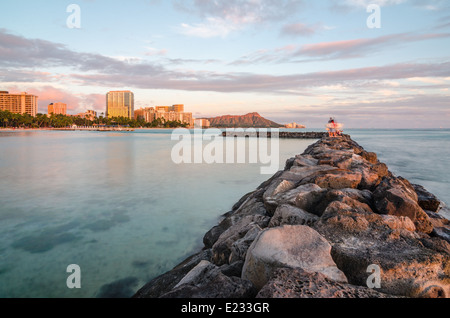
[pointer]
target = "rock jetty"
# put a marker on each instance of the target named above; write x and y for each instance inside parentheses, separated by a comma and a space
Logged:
(281, 134)
(334, 223)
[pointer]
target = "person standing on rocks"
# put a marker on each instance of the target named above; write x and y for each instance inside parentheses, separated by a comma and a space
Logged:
(333, 128)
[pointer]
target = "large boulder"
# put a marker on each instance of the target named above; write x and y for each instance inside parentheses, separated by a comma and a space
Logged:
(341, 218)
(339, 179)
(289, 246)
(165, 282)
(287, 214)
(306, 197)
(427, 200)
(407, 268)
(396, 196)
(222, 248)
(305, 174)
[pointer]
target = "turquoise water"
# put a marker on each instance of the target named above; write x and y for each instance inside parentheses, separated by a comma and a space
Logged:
(113, 203)
(421, 156)
(116, 205)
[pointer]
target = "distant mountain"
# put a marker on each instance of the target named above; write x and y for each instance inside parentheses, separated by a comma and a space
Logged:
(245, 121)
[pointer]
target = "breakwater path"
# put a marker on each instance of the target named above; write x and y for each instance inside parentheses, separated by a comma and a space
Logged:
(281, 134)
(334, 223)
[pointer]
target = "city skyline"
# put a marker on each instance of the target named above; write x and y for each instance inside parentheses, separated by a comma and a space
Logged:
(291, 61)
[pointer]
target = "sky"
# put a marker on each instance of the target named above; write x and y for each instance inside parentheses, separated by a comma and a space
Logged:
(382, 66)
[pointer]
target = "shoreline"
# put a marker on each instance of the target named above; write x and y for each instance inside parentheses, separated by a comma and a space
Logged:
(300, 130)
(332, 212)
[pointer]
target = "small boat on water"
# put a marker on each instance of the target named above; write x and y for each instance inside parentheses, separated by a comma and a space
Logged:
(334, 128)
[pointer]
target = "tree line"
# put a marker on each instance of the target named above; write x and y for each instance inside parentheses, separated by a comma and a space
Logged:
(12, 120)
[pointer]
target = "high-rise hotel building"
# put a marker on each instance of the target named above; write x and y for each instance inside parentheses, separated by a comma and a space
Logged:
(166, 113)
(120, 104)
(57, 109)
(22, 103)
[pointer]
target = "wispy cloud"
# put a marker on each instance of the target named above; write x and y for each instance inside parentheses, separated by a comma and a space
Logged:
(182, 61)
(155, 52)
(430, 5)
(406, 112)
(19, 52)
(213, 27)
(220, 18)
(362, 47)
(365, 3)
(242, 11)
(300, 29)
(344, 49)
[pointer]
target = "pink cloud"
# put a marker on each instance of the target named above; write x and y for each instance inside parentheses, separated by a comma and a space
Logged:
(361, 47)
(297, 29)
(95, 102)
(331, 47)
(76, 103)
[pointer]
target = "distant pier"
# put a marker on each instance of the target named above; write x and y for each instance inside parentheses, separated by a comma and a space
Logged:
(281, 134)
(94, 129)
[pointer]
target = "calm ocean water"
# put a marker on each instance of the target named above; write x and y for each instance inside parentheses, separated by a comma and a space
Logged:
(116, 205)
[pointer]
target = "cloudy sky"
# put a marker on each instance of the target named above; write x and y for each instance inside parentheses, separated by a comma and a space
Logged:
(291, 60)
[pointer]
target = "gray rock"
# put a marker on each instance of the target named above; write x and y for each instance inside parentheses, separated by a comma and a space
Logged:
(287, 214)
(297, 283)
(407, 268)
(427, 200)
(442, 232)
(207, 281)
(222, 248)
(304, 174)
(306, 197)
(165, 282)
(358, 199)
(251, 206)
(339, 179)
(239, 248)
(341, 217)
(214, 233)
(305, 160)
(395, 196)
(399, 222)
(275, 189)
(289, 246)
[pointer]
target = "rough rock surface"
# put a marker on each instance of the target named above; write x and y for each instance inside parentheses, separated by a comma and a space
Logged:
(296, 246)
(297, 283)
(207, 281)
(317, 229)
